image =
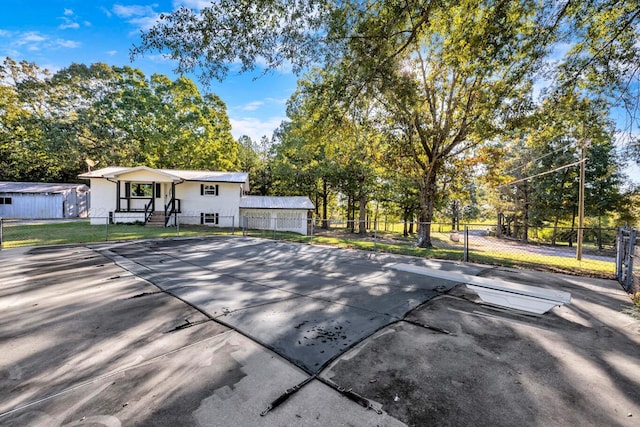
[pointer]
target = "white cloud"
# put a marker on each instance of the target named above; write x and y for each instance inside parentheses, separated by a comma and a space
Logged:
(255, 128)
(69, 24)
(143, 17)
(29, 37)
(71, 44)
(111, 52)
(33, 41)
(68, 12)
(161, 58)
(133, 10)
(252, 106)
(192, 4)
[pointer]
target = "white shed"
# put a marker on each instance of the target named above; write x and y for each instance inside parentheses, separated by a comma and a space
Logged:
(38, 200)
(276, 212)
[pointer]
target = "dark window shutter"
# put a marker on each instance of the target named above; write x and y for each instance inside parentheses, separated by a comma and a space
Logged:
(217, 191)
(127, 189)
(158, 190)
(202, 189)
(201, 218)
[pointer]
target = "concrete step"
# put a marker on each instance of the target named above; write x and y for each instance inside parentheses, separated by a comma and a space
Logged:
(156, 219)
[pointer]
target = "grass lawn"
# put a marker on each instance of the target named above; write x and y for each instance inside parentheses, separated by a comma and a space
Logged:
(82, 232)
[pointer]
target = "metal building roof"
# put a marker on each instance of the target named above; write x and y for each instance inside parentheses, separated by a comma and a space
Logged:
(187, 175)
(276, 202)
(38, 187)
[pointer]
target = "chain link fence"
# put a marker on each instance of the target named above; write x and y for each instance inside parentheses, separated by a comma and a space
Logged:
(545, 248)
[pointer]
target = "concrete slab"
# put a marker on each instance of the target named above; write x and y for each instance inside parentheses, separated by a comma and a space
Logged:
(392, 301)
(228, 296)
(96, 345)
(578, 365)
(62, 329)
(308, 332)
(391, 277)
(159, 362)
(257, 300)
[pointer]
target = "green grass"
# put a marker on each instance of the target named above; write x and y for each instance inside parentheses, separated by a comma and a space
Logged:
(83, 232)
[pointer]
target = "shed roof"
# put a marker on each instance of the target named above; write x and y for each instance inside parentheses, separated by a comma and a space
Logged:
(276, 202)
(186, 175)
(38, 187)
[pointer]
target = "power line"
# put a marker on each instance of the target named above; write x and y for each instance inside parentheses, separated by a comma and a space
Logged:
(542, 173)
(539, 158)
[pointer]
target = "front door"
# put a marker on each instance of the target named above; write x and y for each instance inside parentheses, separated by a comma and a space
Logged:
(159, 195)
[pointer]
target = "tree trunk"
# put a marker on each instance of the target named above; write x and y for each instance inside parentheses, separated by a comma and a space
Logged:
(405, 217)
(555, 231)
(350, 213)
(362, 225)
(325, 222)
(573, 225)
(427, 202)
(525, 215)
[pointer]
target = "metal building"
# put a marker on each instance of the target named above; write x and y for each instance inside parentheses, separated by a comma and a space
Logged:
(37, 200)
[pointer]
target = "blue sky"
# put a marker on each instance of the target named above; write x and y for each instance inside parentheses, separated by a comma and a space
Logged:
(55, 33)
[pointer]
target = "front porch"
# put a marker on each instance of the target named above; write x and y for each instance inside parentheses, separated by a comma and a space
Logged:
(144, 201)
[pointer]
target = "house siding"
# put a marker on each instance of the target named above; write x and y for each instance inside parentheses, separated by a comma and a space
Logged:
(225, 204)
(105, 203)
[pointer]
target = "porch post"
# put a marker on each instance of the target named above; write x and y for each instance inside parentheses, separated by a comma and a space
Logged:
(117, 196)
(153, 196)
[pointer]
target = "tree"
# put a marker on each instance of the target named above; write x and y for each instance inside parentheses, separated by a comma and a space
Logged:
(112, 115)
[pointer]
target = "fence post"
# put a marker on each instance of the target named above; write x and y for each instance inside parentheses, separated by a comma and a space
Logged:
(619, 249)
(274, 227)
(1, 231)
(233, 225)
(375, 235)
(465, 256)
(630, 256)
(313, 220)
(177, 225)
(106, 223)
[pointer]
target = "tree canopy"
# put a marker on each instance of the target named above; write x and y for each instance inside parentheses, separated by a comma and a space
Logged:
(449, 75)
(50, 124)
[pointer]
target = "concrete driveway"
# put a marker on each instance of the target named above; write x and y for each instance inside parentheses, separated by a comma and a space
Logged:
(213, 331)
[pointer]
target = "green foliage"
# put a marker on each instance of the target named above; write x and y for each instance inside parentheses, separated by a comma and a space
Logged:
(111, 115)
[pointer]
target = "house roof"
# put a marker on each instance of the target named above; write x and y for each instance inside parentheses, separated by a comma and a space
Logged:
(185, 175)
(276, 202)
(38, 187)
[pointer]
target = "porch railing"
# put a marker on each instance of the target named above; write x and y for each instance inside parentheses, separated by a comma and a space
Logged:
(148, 211)
(171, 209)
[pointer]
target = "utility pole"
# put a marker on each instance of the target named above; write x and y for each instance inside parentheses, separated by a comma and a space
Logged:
(583, 146)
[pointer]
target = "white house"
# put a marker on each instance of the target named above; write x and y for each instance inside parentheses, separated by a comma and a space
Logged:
(39, 200)
(167, 196)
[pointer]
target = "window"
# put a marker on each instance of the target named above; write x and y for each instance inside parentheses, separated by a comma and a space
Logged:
(5, 201)
(209, 218)
(209, 190)
(141, 190)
